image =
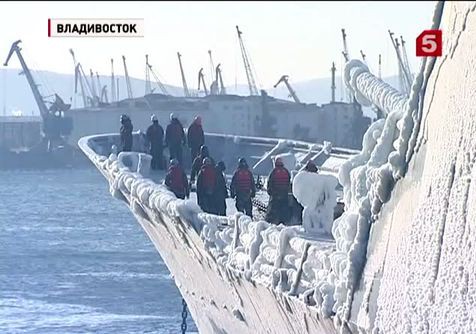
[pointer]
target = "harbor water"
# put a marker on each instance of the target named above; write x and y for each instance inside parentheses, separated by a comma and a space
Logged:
(74, 260)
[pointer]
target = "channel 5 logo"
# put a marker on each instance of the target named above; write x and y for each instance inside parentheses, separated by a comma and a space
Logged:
(429, 44)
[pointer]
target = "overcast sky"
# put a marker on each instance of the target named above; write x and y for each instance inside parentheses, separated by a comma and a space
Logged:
(300, 39)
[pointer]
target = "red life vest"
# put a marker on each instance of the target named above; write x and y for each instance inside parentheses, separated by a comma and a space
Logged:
(176, 179)
(243, 180)
(209, 177)
(280, 179)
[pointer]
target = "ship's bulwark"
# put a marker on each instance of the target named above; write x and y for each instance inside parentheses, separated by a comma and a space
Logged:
(220, 299)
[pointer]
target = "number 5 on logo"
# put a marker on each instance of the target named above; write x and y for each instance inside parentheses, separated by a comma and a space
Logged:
(429, 44)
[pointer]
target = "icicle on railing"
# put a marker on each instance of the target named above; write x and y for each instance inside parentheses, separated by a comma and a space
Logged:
(368, 89)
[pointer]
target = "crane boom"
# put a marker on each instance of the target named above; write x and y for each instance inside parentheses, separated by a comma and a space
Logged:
(128, 81)
(292, 93)
(219, 78)
(212, 65)
(157, 80)
(34, 88)
(405, 60)
(405, 79)
(93, 85)
(184, 82)
(77, 78)
(345, 51)
(201, 78)
(148, 88)
(246, 63)
(363, 56)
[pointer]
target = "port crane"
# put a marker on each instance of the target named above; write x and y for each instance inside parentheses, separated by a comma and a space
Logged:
(149, 71)
(345, 53)
(103, 96)
(113, 83)
(186, 92)
(405, 60)
(93, 87)
(201, 79)
(404, 76)
(219, 79)
(246, 62)
(292, 93)
(128, 80)
(80, 76)
(212, 65)
(364, 56)
(55, 125)
(148, 88)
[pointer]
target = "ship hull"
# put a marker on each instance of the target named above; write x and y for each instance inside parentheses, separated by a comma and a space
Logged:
(221, 299)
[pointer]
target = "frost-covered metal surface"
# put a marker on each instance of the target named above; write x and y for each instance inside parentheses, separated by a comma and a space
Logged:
(419, 272)
(277, 265)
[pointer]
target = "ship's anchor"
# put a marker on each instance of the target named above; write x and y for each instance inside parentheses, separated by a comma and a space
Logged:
(184, 316)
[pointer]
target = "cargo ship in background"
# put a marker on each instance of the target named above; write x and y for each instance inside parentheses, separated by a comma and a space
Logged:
(256, 115)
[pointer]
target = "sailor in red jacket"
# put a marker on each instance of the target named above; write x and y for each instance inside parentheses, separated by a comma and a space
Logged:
(195, 137)
(175, 138)
(243, 188)
(279, 186)
(206, 184)
(176, 180)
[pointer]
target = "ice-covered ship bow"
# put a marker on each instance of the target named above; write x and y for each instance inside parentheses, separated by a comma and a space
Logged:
(403, 258)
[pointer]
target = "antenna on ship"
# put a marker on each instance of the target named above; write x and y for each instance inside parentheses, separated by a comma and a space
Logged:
(184, 82)
(246, 63)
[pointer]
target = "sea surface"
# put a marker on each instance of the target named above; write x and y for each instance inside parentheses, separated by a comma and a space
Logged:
(74, 260)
